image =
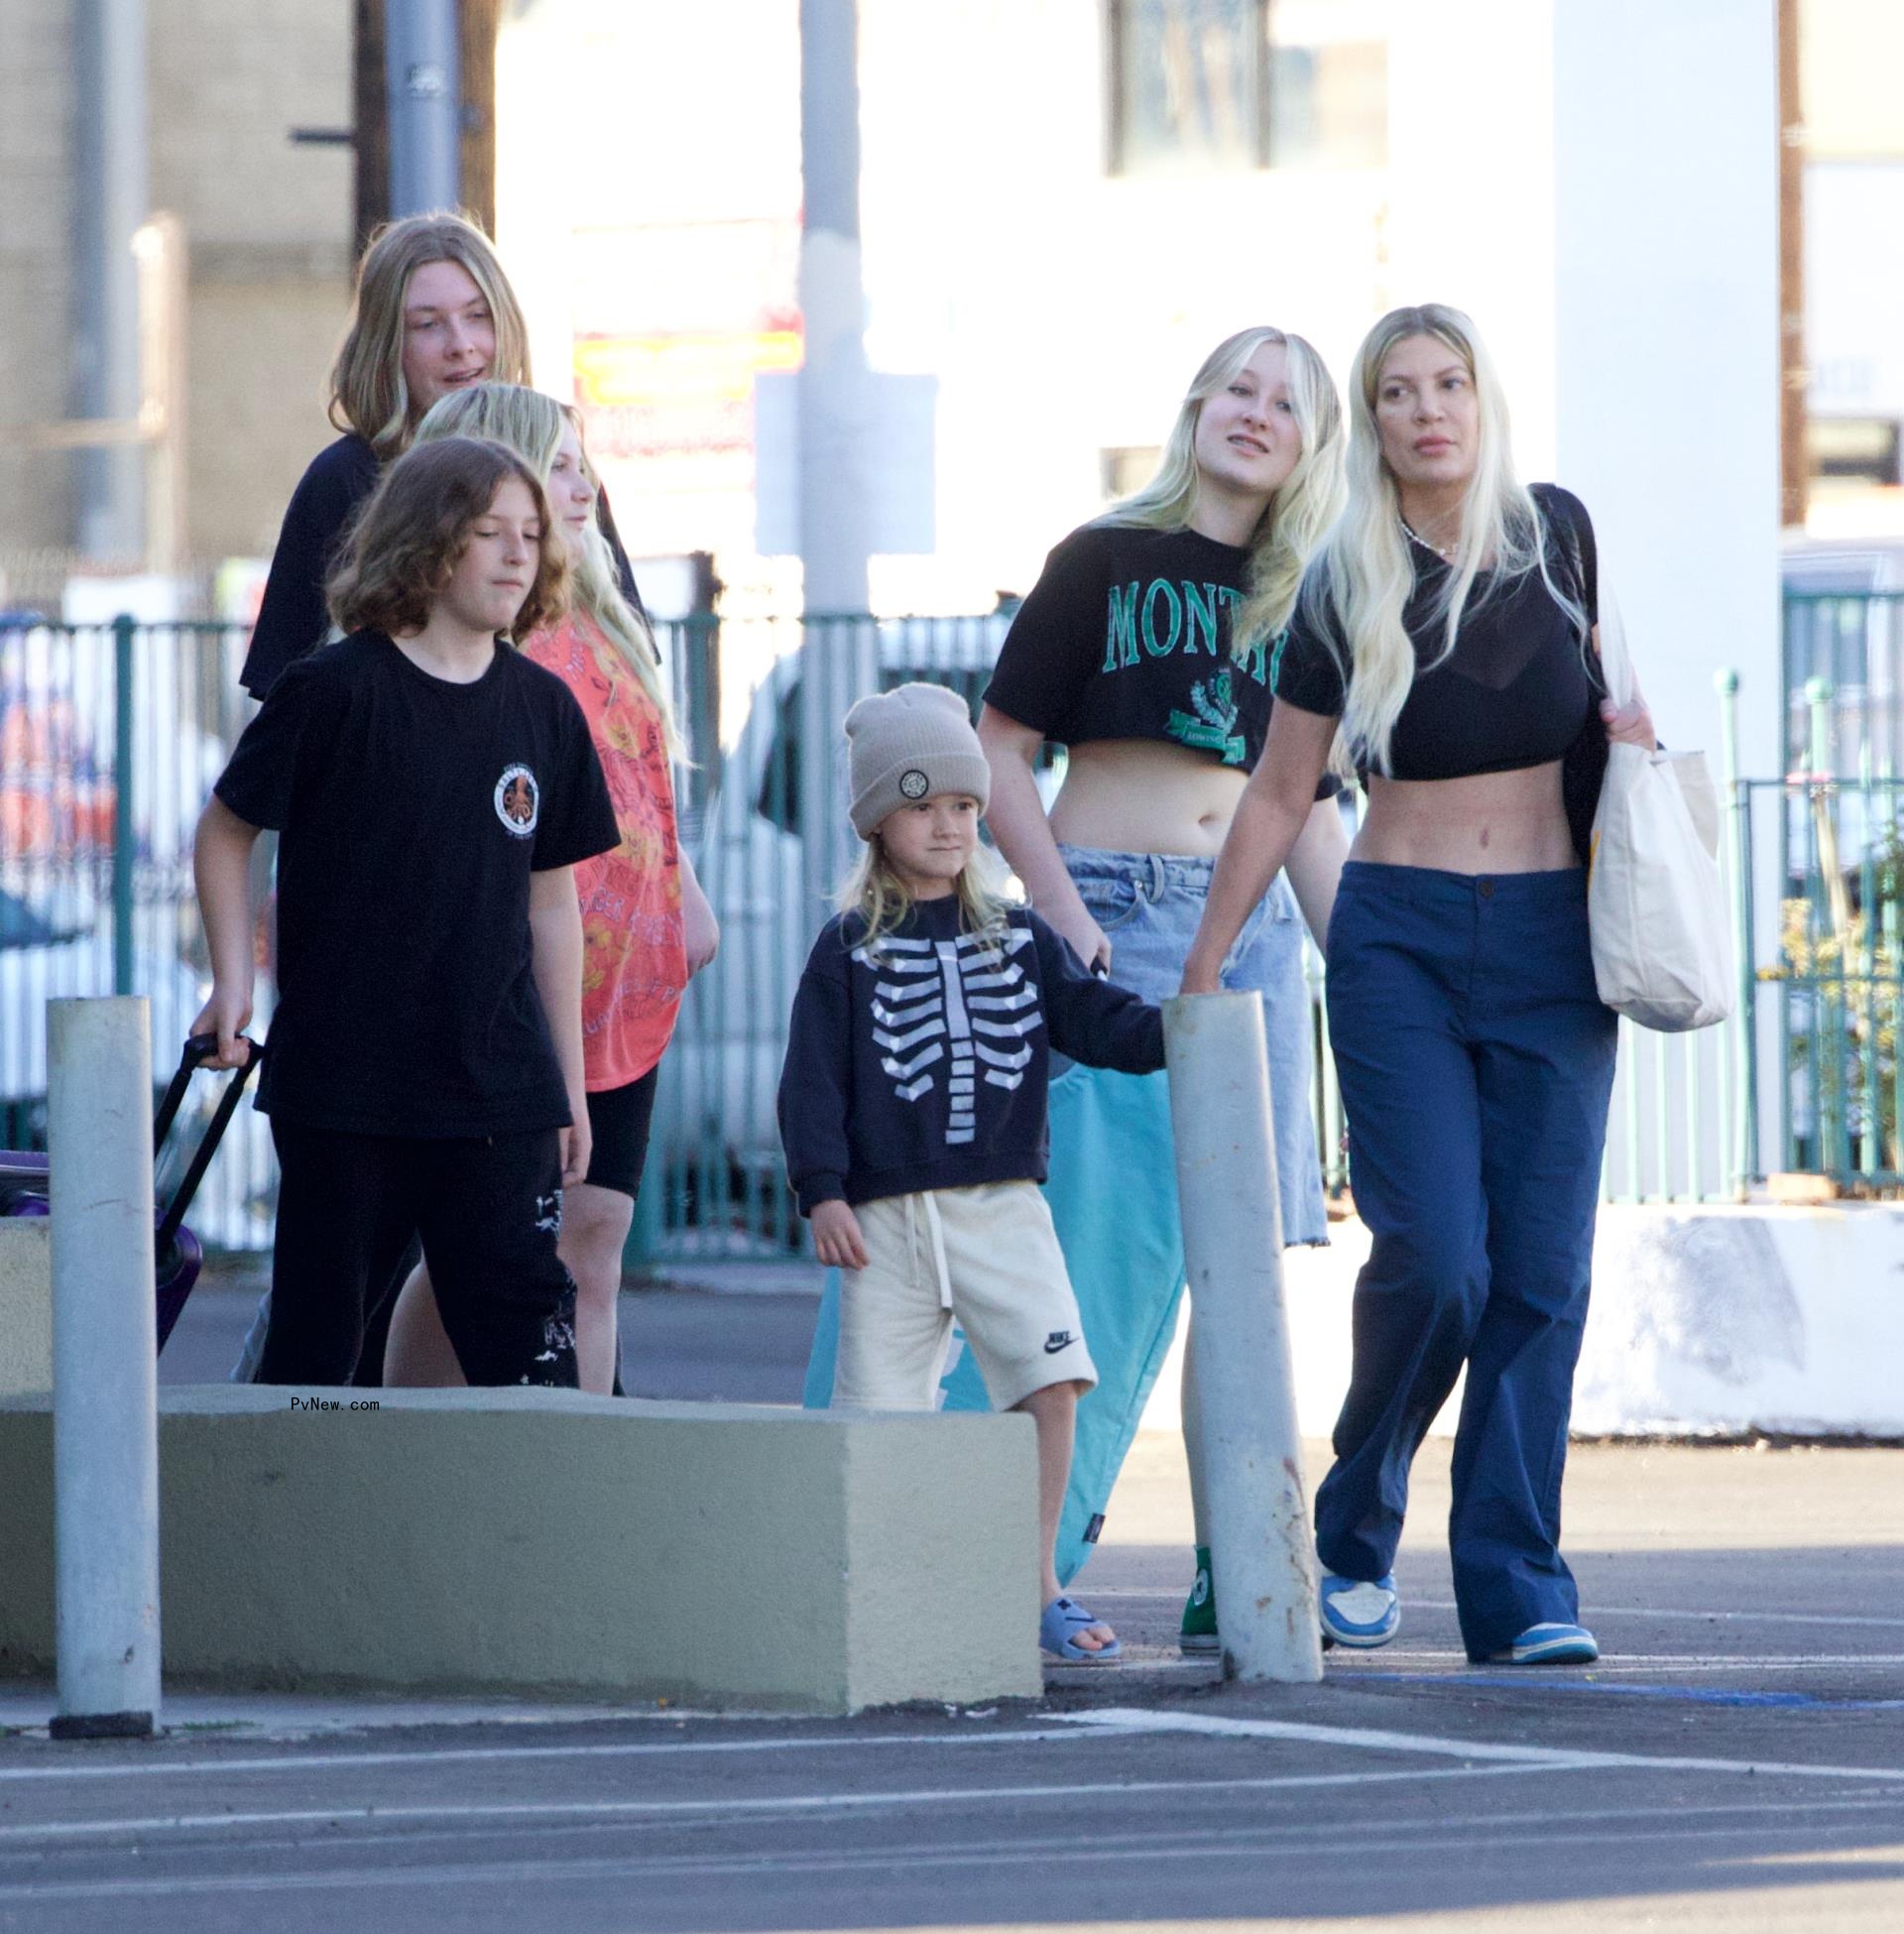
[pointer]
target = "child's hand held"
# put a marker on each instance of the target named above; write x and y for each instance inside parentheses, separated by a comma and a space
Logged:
(837, 1238)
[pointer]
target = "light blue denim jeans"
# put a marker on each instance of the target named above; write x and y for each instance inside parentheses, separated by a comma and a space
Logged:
(1148, 905)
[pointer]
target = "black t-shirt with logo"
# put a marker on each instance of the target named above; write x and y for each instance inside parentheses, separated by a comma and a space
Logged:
(411, 813)
(1127, 636)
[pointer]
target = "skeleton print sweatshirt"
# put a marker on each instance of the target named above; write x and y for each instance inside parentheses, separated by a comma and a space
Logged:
(921, 1063)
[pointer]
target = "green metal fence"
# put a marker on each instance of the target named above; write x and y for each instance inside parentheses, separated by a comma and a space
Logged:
(110, 737)
(1835, 979)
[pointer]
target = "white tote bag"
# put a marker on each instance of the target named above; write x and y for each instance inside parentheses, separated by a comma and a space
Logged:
(1655, 902)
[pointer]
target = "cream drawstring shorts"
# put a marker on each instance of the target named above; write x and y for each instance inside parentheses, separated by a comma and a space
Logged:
(986, 1257)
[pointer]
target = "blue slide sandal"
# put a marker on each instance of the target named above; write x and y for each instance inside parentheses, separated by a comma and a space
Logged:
(1064, 1615)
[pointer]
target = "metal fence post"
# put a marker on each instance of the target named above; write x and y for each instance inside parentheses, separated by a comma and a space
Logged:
(106, 1372)
(1263, 1555)
(1739, 1115)
(122, 785)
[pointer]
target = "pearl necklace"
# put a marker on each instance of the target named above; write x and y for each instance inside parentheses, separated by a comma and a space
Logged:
(1433, 550)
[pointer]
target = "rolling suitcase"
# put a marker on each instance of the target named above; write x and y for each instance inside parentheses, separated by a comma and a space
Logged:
(176, 1254)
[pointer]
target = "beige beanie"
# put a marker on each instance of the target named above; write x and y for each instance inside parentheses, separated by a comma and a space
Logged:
(906, 744)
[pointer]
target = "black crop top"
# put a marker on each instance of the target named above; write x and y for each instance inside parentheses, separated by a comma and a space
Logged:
(1127, 636)
(1516, 691)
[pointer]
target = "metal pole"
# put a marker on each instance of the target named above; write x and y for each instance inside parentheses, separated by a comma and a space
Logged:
(122, 789)
(1262, 1553)
(159, 249)
(105, 1399)
(109, 136)
(839, 651)
(423, 79)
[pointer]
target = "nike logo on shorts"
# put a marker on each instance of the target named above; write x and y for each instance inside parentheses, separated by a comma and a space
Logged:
(1058, 1339)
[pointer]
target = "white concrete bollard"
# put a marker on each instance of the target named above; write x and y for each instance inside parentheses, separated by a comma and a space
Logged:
(1262, 1548)
(105, 1369)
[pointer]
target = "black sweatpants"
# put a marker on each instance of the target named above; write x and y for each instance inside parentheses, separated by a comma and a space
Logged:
(488, 1212)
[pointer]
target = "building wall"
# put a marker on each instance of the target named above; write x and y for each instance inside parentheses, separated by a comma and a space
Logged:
(267, 228)
(36, 61)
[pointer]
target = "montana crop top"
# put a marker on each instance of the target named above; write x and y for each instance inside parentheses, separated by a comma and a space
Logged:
(1127, 636)
(1514, 692)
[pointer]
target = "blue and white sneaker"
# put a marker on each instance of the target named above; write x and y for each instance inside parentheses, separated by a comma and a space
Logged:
(1356, 1613)
(1549, 1644)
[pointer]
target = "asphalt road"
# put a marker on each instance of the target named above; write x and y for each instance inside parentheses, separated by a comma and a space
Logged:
(1735, 1762)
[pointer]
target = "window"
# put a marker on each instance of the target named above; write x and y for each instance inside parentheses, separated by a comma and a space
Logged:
(1853, 450)
(1197, 85)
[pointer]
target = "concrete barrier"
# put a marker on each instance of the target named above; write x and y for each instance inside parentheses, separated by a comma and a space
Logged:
(542, 1542)
(1707, 1320)
(26, 1306)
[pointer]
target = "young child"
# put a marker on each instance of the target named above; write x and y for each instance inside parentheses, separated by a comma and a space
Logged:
(912, 1106)
(433, 791)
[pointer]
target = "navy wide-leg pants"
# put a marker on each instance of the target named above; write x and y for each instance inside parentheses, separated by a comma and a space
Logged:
(1475, 1061)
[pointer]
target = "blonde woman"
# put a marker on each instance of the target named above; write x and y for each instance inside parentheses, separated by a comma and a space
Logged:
(912, 1107)
(645, 924)
(1445, 635)
(1144, 649)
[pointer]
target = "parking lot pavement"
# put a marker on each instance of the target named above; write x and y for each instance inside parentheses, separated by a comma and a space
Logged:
(1352, 1804)
(1735, 1762)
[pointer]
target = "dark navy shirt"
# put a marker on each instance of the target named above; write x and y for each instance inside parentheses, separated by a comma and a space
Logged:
(922, 1062)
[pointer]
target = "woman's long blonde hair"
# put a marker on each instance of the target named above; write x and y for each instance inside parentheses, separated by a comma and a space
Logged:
(532, 425)
(1364, 575)
(1302, 509)
(875, 892)
(368, 393)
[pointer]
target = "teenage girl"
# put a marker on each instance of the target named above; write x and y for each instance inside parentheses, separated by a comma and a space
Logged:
(1445, 634)
(647, 926)
(1144, 649)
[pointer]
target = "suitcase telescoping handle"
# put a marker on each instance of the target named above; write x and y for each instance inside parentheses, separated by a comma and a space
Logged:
(198, 1049)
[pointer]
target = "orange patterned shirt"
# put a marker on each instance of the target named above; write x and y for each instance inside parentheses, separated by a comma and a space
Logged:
(633, 951)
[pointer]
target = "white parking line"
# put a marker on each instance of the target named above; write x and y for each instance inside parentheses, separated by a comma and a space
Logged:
(1593, 1610)
(727, 1806)
(1639, 1662)
(1724, 1617)
(450, 1756)
(1132, 1720)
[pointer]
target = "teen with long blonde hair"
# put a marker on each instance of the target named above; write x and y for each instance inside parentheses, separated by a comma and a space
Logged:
(1444, 633)
(1144, 649)
(647, 926)
(912, 1107)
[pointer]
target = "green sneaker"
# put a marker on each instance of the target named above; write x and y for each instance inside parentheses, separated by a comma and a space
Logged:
(1198, 1633)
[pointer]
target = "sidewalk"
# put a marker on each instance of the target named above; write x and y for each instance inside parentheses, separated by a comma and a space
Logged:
(1739, 1577)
